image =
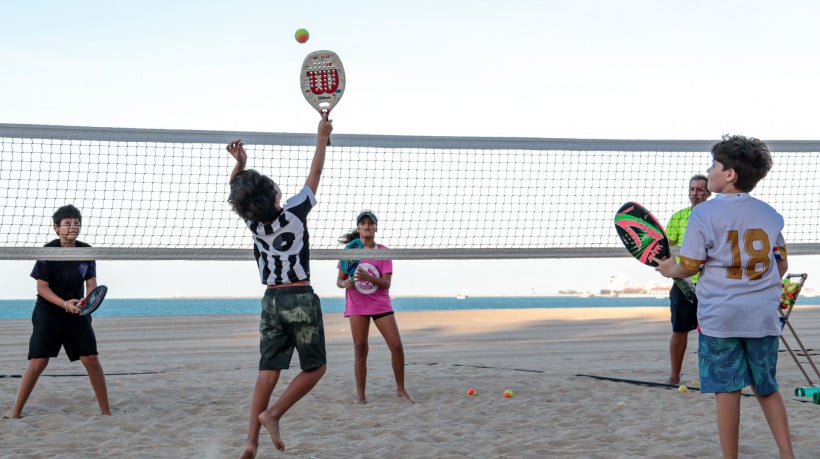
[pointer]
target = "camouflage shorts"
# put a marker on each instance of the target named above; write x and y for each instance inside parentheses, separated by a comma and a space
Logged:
(291, 319)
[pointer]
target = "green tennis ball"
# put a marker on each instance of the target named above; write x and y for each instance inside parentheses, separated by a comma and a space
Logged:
(302, 35)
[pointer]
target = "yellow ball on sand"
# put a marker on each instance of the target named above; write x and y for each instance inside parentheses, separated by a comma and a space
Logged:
(471, 391)
(622, 404)
(683, 388)
(301, 35)
(508, 393)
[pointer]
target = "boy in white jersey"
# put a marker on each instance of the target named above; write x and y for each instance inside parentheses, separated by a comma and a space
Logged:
(736, 243)
(291, 312)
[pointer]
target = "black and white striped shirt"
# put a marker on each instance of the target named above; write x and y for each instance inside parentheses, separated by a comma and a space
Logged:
(281, 247)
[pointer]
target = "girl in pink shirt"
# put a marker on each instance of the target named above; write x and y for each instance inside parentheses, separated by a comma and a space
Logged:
(367, 296)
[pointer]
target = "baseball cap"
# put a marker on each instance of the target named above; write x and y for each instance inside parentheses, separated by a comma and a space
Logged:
(369, 214)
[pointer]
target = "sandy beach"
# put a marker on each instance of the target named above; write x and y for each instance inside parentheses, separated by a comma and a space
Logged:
(181, 386)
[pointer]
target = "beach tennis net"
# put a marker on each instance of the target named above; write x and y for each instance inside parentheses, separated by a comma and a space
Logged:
(161, 194)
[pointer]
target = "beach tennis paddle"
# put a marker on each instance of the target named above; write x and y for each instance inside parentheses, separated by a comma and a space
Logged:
(93, 301)
(322, 80)
(644, 238)
(349, 266)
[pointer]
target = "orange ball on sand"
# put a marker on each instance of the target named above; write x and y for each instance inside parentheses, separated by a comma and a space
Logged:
(508, 393)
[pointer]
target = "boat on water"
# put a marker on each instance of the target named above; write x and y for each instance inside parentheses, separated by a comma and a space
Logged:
(655, 291)
(461, 296)
(618, 287)
(579, 294)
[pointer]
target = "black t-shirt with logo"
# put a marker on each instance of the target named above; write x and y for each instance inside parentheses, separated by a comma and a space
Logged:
(65, 278)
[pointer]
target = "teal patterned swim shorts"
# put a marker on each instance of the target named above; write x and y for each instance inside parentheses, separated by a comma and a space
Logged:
(730, 364)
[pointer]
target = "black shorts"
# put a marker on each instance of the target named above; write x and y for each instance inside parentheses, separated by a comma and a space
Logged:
(376, 317)
(684, 313)
(291, 318)
(53, 330)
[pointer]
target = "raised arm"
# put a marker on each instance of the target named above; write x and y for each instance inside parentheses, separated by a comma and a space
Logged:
(325, 128)
(237, 150)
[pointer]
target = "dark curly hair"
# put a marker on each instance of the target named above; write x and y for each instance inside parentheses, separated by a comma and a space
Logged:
(349, 236)
(67, 211)
(253, 196)
(749, 157)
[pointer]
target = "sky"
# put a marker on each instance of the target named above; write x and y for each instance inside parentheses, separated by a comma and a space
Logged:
(650, 69)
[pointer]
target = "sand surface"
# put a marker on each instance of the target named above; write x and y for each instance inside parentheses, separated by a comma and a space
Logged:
(181, 387)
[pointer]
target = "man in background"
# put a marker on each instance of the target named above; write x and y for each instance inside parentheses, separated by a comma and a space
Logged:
(684, 312)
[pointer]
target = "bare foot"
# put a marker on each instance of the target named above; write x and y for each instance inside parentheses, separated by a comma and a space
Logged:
(273, 429)
(361, 401)
(403, 394)
(249, 452)
(673, 381)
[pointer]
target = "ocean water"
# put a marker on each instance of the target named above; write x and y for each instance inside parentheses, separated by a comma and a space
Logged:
(113, 307)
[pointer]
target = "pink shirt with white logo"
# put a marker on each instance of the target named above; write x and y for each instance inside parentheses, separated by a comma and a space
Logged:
(366, 298)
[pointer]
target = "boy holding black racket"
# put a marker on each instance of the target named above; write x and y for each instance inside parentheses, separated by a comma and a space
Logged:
(291, 311)
(56, 318)
(735, 241)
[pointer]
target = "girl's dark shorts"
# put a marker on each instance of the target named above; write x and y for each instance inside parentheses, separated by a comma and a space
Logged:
(291, 319)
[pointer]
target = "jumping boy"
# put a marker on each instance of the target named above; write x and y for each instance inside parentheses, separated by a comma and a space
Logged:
(735, 241)
(291, 312)
(56, 318)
